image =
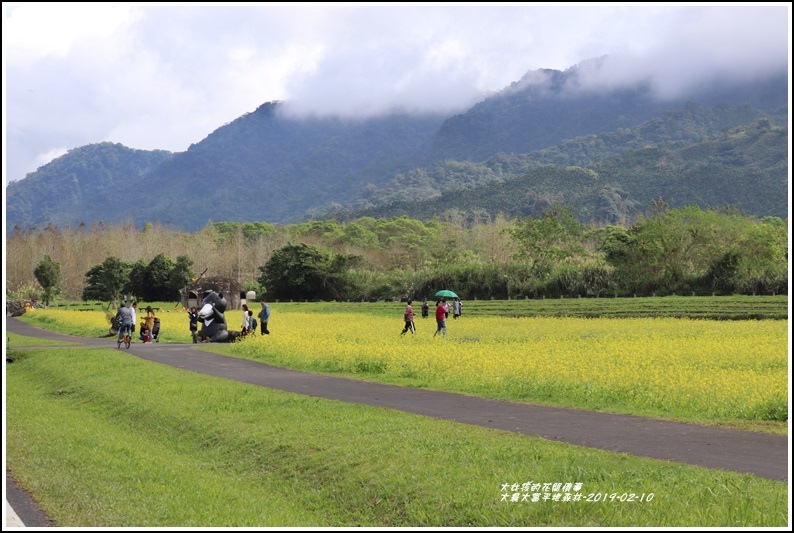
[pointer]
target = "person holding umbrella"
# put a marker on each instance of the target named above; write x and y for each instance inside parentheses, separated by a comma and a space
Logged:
(446, 294)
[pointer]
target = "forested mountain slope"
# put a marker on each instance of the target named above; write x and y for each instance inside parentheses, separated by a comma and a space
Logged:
(92, 183)
(745, 167)
(685, 127)
(547, 107)
(265, 166)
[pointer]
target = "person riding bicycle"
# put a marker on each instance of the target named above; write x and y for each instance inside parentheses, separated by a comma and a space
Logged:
(125, 315)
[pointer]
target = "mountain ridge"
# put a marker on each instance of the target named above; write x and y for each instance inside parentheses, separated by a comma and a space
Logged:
(263, 166)
(613, 190)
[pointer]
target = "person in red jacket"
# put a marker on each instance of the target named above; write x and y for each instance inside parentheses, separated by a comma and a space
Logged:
(409, 319)
(441, 318)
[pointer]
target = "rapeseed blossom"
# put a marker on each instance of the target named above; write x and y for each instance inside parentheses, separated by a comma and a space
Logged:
(706, 369)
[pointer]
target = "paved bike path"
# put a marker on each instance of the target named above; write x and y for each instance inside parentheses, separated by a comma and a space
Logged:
(764, 455)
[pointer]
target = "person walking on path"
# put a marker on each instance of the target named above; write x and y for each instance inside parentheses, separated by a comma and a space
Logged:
(456, 308)
(441, 318)
(193, 315)
(264, 317)
(425, 308)
(409, 319)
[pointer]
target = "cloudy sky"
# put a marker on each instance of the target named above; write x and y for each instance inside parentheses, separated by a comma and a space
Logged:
(159, 76)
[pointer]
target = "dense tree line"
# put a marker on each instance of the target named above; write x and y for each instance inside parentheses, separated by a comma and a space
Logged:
(159, 280)
(665, 251)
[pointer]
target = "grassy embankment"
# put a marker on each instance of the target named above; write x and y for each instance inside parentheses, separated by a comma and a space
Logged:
(102, 438)
(731, 373)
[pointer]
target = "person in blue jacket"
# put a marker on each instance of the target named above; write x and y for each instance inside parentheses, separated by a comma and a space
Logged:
(264, 317)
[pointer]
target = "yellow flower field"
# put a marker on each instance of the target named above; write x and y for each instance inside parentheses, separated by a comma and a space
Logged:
(695, 368)
(718, 369)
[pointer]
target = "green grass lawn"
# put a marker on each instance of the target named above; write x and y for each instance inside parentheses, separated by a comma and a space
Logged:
(17, 341)
(101, 438)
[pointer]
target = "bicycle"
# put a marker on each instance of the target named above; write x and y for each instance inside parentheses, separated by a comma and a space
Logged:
(126, 340)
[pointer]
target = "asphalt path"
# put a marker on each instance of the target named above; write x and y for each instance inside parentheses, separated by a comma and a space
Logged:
(764, 455)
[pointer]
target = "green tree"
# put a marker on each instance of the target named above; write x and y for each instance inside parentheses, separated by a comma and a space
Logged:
(762, 257)
(358, 235)
(254, 230)
(658, 253)
(688, 249)
(224, 230)
(409, 241)
(302, 271)
(181, 274)
(106, 280)
(136, 281)
(158, 279)
(548, 240)
(48, 274)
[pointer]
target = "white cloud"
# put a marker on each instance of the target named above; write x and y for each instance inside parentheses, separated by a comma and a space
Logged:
(37, 30)
(55, 153)
(159, 76)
